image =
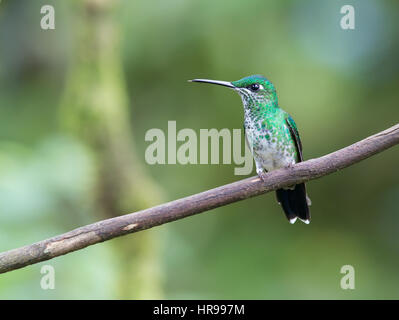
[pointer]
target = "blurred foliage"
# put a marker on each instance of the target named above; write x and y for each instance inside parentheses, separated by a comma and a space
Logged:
(340, 86)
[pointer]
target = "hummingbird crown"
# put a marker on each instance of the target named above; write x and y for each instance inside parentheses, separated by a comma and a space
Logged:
(256, 90)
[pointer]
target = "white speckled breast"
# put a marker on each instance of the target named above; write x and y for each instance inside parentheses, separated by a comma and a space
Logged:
(267, 154)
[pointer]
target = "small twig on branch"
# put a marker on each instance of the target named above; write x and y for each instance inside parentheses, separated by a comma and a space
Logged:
(107, 229)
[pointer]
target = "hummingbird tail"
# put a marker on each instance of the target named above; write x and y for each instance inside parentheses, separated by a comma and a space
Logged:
(294, 203)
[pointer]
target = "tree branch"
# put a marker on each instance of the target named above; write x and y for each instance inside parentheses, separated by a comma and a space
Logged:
(107, 229)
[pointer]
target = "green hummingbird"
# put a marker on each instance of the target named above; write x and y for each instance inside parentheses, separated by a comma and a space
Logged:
(272, 137)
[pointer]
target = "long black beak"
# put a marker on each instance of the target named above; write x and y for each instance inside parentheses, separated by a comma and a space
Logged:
(220, 83)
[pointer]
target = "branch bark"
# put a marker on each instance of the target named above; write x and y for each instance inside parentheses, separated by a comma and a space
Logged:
(115, 227)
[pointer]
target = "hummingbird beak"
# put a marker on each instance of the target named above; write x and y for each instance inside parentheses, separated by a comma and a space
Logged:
(220, 83)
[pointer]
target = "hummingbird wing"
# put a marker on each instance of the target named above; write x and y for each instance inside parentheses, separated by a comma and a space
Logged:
(295, 202)
(295, 136)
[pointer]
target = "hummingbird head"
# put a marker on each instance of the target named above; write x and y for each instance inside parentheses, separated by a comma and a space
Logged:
(254, 90)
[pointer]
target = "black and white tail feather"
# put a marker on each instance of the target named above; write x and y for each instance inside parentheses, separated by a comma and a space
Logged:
(295, 203)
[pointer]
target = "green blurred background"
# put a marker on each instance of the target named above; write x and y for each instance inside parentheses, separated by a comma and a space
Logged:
(76, 102)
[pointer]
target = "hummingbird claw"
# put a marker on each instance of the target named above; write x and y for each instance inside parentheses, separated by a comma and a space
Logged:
(290, 165)
(263, 176)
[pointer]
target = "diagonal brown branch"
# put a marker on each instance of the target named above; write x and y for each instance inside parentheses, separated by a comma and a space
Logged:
(107, 229)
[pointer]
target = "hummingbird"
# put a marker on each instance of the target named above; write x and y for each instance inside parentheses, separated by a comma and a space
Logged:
(273, 138)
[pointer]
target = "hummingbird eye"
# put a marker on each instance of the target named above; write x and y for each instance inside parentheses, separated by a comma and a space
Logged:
(254, 87)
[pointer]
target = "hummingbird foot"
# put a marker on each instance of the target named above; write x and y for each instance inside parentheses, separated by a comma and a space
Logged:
(290, 165)
(260, 171)
(262, 175)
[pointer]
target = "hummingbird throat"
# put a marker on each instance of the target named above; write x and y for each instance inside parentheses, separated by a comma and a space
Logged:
(258, 106)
